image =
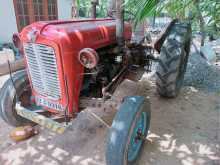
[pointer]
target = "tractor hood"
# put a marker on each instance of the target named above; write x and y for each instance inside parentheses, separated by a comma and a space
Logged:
(93, 33)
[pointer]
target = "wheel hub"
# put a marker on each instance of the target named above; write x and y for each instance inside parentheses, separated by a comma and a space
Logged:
(137, 137)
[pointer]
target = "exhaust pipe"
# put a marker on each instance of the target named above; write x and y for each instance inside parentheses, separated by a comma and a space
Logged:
(120, 22)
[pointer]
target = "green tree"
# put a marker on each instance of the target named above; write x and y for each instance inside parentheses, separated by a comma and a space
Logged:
(84, 8)
(205, 14)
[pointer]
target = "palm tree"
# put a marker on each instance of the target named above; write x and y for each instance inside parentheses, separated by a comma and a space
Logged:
(205, 14)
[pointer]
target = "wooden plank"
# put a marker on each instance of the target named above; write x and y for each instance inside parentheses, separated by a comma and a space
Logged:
(6, 55)
(15, 66)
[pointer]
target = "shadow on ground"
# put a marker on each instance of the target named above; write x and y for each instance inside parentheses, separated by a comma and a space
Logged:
(184, 131)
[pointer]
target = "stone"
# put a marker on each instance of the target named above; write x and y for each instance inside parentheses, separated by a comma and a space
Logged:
(209, 53)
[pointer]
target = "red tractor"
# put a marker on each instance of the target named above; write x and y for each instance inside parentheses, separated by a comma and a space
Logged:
(74, 64)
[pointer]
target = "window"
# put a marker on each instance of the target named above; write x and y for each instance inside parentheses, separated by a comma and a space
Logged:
(28, 11)
(52, 9)
(38, 10)
(22, 13)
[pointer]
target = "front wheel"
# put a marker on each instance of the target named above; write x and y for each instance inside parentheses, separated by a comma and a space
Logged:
(128, 131)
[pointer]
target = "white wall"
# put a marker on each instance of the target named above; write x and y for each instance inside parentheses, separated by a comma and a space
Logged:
(64, 9)
(8, 24)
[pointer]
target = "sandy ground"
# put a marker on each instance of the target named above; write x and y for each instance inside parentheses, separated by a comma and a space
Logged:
(184, 131)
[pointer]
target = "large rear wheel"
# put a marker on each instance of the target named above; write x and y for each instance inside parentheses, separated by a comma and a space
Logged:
(9, 96)
(173, 60)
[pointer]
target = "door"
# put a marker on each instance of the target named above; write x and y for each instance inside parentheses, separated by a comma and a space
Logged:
(29, 11)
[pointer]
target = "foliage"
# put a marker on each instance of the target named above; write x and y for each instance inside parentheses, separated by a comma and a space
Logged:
(84, 7)
(211, 12)
(207, 10)
(141, 8)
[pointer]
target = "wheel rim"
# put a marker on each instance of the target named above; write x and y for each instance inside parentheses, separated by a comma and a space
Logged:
(137, 137)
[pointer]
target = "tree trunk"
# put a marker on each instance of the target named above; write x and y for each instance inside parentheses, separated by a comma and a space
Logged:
(201, 22)
(94, 3)
(138, 33)
(111, 8)
(154, 19)
(75, 12)
(202, 29)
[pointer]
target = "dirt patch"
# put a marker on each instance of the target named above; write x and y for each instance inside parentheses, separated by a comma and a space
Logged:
(184, 130)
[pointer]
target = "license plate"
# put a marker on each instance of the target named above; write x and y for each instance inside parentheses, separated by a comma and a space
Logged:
(49, 104)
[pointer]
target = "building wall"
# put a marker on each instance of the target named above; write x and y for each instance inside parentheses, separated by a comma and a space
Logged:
(64, 9)
(8, 24)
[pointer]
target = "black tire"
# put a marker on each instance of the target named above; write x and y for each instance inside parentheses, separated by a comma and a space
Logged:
(122, 129)
(173, 60)
(9, 99)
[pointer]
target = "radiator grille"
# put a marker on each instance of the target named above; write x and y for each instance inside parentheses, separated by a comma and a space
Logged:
(42, 67)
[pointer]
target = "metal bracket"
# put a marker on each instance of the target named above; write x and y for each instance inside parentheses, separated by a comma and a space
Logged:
(41, 119)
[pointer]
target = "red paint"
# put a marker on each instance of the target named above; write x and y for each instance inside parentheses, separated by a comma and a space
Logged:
(68, 38)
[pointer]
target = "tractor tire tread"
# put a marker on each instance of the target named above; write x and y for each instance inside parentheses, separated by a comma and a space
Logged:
(171, 57)
(8, 96)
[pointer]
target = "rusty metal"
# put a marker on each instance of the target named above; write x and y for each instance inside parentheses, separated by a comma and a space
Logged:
(98, 118)
(86, 102)
(110, 88)
(40, 119)
(67, 103)
(25, 97)
(98, 102)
